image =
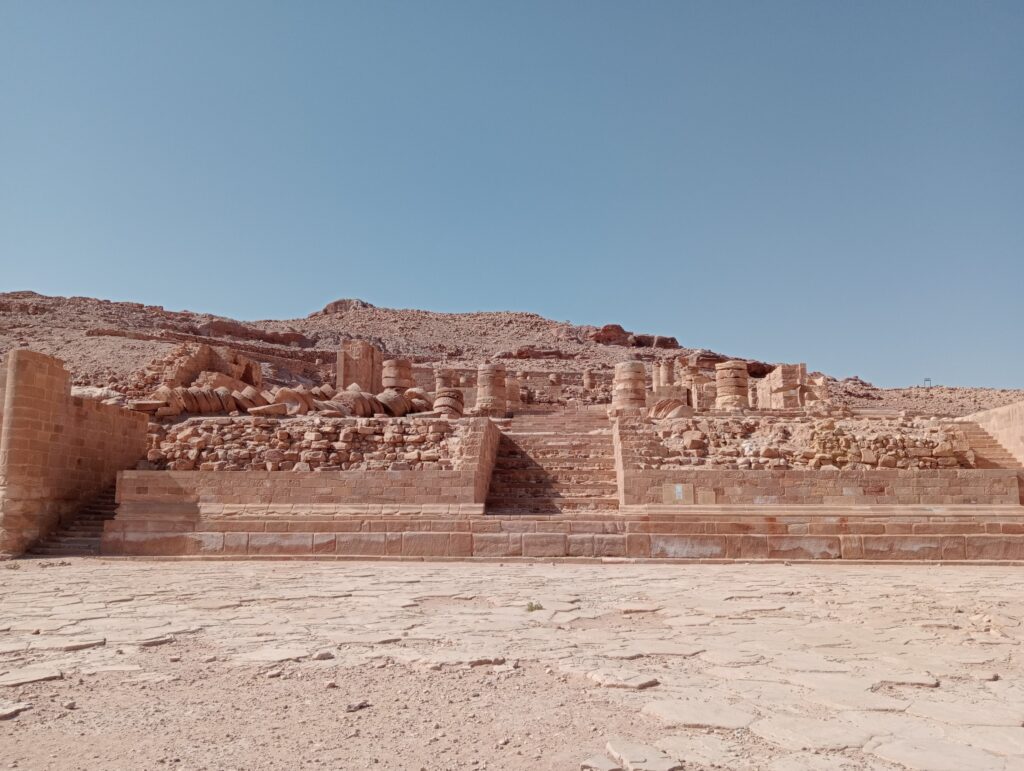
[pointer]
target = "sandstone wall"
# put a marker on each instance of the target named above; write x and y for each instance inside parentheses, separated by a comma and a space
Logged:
(758, 442)
(305, 444)
(641, 459)
(822, 488)
(171, 512)
(56, 450)
(1006, 425)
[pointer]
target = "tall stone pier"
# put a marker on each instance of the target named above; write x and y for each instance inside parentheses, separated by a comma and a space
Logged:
(397, 374)
(491, 394)
(731, 385)
(359, 362)
(629, 390)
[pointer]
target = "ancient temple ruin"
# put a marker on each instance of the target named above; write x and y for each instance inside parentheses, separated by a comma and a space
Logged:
(377, 455)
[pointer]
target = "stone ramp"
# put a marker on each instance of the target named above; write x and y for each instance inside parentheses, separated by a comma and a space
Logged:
(554, 463)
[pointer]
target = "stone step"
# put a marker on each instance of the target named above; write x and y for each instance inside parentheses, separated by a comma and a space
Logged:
(513, 462)
(546, 476)
(811, 512)
(546, 491)
(81, 534)
(551, 503)
(568, 451)
(66, 551)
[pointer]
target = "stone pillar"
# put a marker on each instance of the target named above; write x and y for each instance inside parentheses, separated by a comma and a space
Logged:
(731, 385)
(491, 396)
(444, 378)
(629, 390)
(450, 402)
(668, 373)
(397, 374)
(657, 378)
(589, 381)
(359, 363)
(513, 392)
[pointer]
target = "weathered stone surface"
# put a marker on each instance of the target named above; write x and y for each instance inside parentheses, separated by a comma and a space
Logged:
(693, 713)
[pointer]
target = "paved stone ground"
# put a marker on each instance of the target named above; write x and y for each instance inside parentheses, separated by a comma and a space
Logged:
(114, 664)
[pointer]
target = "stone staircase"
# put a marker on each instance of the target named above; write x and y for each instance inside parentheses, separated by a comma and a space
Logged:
(81, 535)
(553, 463)
(988, 452)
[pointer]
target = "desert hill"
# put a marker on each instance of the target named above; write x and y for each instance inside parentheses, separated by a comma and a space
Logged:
(105, 343)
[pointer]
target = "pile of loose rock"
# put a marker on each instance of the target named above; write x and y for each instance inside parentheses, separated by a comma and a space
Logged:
(813, 443)
(303, 444)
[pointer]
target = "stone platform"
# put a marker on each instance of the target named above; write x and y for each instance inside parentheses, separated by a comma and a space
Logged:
(946, 533)
(814, 667)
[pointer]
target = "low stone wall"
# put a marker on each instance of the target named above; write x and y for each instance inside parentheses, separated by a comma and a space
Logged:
(158, 508)
(1006, 425)
(790, 486)
(710, 533)
(56, 451)
(640, 456)
(305, 443)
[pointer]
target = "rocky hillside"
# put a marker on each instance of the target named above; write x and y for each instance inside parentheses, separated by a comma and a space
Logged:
(104, 343)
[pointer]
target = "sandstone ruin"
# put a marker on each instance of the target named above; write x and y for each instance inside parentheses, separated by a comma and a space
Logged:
(365, 453)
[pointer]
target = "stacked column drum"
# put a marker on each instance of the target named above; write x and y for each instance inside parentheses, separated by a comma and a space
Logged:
(629, 390)
(444, 378)
(513, 391)
(397, 374)
(731, 386)
(449, 402)
(491, 396)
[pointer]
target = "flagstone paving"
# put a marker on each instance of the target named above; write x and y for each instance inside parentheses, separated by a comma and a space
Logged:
(117, 664)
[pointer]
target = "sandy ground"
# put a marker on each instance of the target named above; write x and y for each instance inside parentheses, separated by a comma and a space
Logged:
(280, 665)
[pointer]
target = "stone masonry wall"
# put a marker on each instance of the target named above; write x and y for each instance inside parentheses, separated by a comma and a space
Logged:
(171, 512)
(641, 460)
(823, 488)
(56, 450)
(305, 444)
(759, 442)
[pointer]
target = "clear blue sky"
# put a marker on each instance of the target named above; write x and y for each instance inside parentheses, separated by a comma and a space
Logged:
(840, 183)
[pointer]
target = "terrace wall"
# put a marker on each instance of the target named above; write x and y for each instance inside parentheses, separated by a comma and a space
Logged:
(792, 486)
(637, 448)
(158, 508)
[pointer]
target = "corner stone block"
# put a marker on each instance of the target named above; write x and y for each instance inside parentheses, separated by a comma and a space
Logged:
(803, 547)
(491, 545)
(902, 547)
(688, 546)
(280, 543)
(424, 544)
(580, 545)
(609, 546)
(361, 544)
(994, 547)
(460, 544)
(544, 545)
(638, 545)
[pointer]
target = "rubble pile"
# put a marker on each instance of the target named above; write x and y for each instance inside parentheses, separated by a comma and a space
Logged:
(812, 443)
(302, 444)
